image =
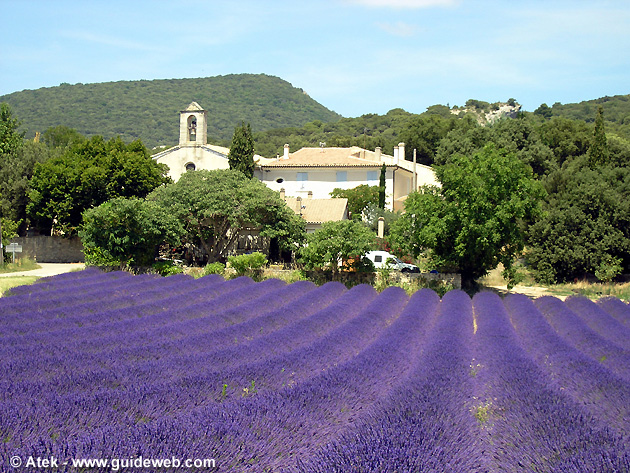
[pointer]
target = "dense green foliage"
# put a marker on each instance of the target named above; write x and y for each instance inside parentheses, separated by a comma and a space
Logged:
(586, 224)
(87, 175)
(368, 132)
(16, 170)
(474, 221)
(149, 110)
(127, 232)
(10, 138)
(241, 154)
(359, 198)
(334, 244)
(214, 206)
(616, 110)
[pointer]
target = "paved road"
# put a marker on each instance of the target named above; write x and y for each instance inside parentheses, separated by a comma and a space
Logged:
(47, 269)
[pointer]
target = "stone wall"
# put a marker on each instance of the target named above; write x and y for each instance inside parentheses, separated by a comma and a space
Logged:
(50, 249)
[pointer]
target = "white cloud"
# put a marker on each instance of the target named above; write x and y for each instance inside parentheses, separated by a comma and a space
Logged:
(405, 3)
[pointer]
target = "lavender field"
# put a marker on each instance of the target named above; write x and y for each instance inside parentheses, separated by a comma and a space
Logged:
(270, 377)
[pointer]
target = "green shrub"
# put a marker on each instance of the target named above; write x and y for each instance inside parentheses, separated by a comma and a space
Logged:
(248, 265)
(167, 268)
(214, 268)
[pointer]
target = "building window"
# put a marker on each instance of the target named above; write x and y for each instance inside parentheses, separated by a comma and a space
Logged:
(280, 180)
(342, 176)
(372, 176)
(302, 178)
(192, 128)
(190, 167)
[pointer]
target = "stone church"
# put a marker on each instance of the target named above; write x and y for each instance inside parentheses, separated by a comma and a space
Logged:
(193, 151)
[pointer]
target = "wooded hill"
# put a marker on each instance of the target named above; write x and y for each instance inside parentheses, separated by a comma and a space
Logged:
(616, 112)
(372, 130)
(149, 109)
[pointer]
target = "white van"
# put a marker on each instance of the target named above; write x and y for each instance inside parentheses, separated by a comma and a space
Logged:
(383, 258)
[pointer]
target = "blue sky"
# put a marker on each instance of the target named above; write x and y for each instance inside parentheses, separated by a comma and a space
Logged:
(352, 56)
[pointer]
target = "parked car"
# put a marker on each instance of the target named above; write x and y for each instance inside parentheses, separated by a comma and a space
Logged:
(383, 258)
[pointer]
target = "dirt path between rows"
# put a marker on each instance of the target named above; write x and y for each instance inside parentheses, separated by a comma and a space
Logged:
(530, 291)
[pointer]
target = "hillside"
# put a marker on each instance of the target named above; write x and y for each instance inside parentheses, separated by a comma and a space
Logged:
(372, 130)
(616, 112)
(149, 109)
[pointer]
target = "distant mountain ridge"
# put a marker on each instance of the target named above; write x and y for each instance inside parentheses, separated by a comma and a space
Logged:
(149, 109)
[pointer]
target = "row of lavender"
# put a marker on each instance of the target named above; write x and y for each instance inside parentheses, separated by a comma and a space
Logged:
(275, 377)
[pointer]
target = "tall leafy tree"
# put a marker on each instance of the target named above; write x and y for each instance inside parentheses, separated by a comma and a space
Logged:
(335, 243)
(10, 145)
(10, 139)
(474, 221)
(359, 198)
(241, 155)
(585, 228)
(87, 175)
(127, 232)
(215, 206)
(16, 170)
(423, 134)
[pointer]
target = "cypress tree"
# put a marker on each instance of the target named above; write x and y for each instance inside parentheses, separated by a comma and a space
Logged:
(241, 155)
(381, 188)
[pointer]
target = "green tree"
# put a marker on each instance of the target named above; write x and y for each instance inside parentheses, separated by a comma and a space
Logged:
(16, 170)
(88, 174)
(544, 111)
(61, 136)
(10, 139)
(585, 227)
(241, 155)
(215, 206)
(474, 221)
(334, 244)
(127, 232)
(423, 133)
(381, 187)
(567, 139)
(359, 198)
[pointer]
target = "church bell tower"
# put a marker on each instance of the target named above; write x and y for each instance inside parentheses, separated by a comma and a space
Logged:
(193, 126)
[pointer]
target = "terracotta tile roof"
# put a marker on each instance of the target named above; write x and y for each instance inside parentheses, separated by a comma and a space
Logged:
(319, 210)
(324, 157)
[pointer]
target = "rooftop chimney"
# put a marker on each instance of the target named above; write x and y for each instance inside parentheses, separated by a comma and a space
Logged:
(378, 152)
(310, 194)
(395, 154)
(282, 193)
(286, 152)
(401, 151)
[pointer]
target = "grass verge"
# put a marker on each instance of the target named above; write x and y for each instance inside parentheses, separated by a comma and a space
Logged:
(8, 282)
(20, 265)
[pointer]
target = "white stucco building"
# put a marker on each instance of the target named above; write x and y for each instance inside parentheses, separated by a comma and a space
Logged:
(317, 171)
